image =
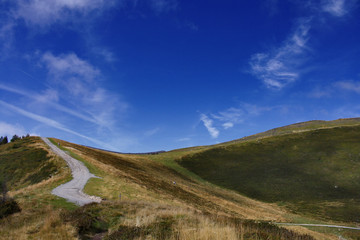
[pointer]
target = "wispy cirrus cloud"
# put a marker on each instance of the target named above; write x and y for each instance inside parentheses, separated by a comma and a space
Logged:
(49, 97)
(351, 86)
(336, 8)
(281, 66)
(208, 123)
(230, 117)
(78, 82)
(237, 115)
(69, 65)
(45, 13)
(49, 122)
(332, 90)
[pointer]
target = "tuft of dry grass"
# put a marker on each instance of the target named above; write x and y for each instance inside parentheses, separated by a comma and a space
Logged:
(45, 224)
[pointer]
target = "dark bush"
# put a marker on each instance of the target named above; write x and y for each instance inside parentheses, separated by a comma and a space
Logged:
(8, 207)
(86, 220)
(3, 140)
(15, 138)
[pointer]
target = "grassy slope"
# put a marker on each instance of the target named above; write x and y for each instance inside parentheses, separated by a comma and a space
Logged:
(299, 127)
(313, 172)
(141, 180)
(31, 173)
(22, 165)
(150, 203)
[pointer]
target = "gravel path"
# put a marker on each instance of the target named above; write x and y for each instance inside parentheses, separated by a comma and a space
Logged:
(318, 225)
(72, 191)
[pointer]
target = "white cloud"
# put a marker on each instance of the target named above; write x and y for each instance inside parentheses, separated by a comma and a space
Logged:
(48, 98)
(335, 7)
(49, 95)
(49, 122)
(228, 125)
(230, 116)
(78, 82)
(47, 12)
(67, 65)
(349, 86)
(236, 115)
(10, 130)
(281, 67)
(208, 123)
(330, 89)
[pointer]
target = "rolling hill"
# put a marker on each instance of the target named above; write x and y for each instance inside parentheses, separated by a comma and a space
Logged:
(302, 173)
(312, 171)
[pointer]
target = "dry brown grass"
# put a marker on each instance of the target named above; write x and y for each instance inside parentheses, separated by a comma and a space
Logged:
(36, 224)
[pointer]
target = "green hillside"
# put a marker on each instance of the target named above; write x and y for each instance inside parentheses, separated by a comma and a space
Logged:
(151, 205)
(300, 127)
(314, 172)
(22, 164)
(309, 170)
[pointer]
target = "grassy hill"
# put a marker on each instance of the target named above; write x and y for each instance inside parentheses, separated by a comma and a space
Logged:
(22, 164)
(314, 171)
(300, 127)
(296, 174)
(151, 205)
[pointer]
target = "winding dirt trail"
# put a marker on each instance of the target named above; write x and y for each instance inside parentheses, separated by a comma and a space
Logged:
(72, 191)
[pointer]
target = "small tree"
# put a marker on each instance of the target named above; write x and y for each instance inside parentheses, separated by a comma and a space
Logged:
(4, 140)
(15, 138)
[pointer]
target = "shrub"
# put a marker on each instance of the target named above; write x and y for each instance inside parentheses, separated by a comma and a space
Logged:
(15, 138)
(3, 140)
(8, 207)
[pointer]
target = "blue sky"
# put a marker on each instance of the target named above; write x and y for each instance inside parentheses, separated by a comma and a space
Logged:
(145, 75)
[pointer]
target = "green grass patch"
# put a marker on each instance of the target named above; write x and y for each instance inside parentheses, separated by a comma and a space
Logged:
(314, 172)
(22, 165)
(59, 202)
(168, 159)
